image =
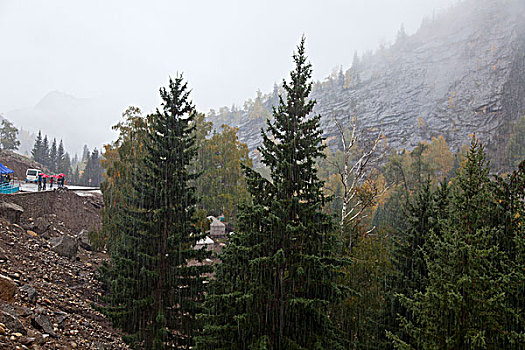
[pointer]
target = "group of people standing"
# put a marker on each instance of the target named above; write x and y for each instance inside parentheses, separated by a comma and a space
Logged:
(43, 179)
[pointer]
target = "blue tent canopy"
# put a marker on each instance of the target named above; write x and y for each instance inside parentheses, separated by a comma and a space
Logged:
(5, 170)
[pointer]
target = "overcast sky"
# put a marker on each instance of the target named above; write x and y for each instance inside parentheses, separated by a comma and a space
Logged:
(226, 49)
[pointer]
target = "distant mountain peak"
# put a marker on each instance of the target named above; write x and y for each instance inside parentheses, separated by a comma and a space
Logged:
(57, 98)
(75, 120)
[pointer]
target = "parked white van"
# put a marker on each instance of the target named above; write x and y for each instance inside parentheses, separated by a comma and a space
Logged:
(32, 175)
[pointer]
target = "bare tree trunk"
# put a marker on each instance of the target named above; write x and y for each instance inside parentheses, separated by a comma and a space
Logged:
(352, 174)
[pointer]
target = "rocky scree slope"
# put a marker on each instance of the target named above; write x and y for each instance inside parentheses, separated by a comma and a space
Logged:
(47, 280)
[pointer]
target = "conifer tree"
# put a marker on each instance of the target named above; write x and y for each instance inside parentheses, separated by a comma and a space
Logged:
(464, 304)
(92, 175)
(75, 177)
(66, 165)
(510, 217)
(85, 153)
(409, 252)
(8, 136)
(61, 158)
(155, 287)
(53, 156)
(37, 151)
(45, 152)
(278, 276)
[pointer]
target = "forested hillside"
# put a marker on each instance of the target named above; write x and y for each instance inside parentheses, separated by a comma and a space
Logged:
(424, 249)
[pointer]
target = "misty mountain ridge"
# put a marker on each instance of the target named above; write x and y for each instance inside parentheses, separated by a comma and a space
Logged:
(462, 72)
(58, 99)
(77, 121)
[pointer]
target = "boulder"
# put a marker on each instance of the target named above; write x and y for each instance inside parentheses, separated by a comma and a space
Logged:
(27, 340)
(83, 239)
(41, 225)
(12, 322)
(31, 293)
(44, 323)
(11, 212)
(61, 316)
(8, 289)
(65, 245)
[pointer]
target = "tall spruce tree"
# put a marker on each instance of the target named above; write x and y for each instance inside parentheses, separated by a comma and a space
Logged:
(75, 176)
(37, 151)
(53, 156)
(66, 166)
(510, 218)
(410, 247)
(85, 153)
(278, 276)
(45, 153)
(61, 158)
(155, 286)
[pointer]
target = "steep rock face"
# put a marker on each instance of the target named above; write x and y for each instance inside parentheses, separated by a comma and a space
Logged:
(463, 72)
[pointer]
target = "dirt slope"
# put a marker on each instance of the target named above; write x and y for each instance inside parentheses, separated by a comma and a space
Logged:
(18, 163)
(77, 212)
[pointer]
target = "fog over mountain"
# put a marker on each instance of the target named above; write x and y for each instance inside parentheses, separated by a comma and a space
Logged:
(109, 55)
(461, 73)
(77, 121)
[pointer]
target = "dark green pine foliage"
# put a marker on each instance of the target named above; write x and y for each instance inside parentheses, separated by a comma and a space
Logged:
(156, 288)
(45, 153)
(63, 161)
(92, 175)
(463, 305)
(75, 177)
(53, 154)
(37, 153)
(421, 218)
(85, 153)
(510, 218)
(66, 166)
(278, 277)
(410, 248)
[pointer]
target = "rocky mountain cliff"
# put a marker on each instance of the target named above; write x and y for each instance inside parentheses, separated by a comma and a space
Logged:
(462, 72)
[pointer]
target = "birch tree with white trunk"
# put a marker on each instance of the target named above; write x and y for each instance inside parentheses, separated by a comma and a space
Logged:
(353, 173)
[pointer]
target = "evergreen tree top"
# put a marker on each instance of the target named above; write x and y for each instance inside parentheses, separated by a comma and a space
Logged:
(175, 99)
(293, 139)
